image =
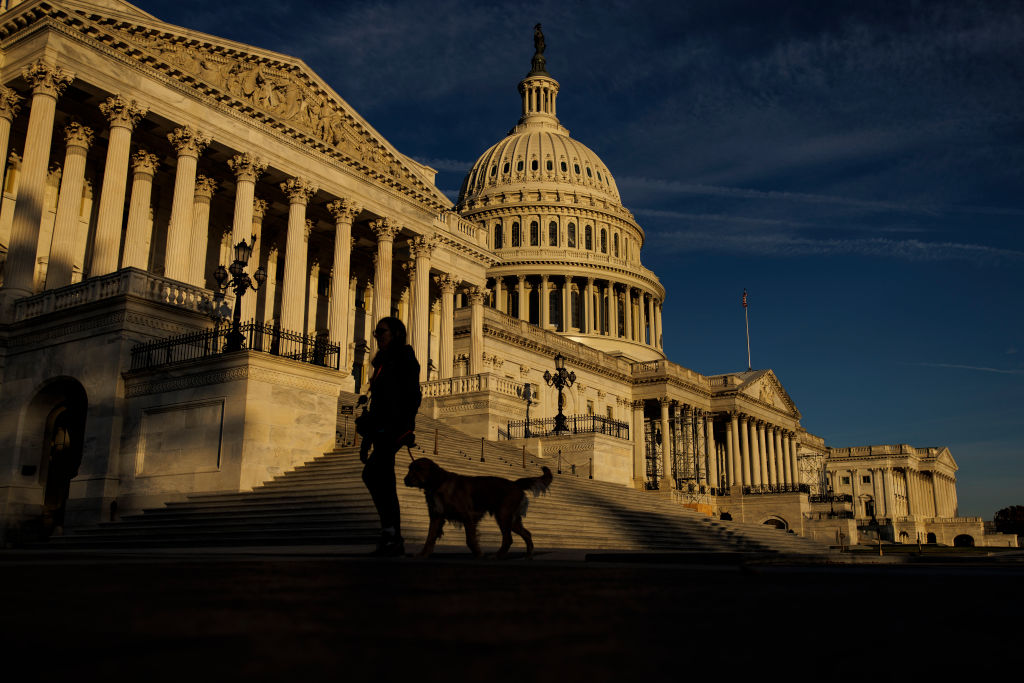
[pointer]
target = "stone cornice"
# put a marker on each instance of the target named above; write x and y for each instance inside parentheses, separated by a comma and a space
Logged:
(270, 92)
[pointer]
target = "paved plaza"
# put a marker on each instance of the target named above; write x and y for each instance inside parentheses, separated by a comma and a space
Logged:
(332, 614)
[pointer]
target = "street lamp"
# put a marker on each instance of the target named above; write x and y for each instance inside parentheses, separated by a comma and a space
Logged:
(527, 395)
(241, 283)
(560, 380)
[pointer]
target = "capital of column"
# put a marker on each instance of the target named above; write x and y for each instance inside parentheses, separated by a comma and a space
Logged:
(344, 209)
(422, 246)
(121, 112)
(46, 79)
(10, 103)
(446, 283)
(298, 190)
(247, 166)
(476, 294)
(259, 209)
(637, 404)
(187, 141)
(205, 187)
(144, 162)
(384, 229)
(308, 228)
(77, 135)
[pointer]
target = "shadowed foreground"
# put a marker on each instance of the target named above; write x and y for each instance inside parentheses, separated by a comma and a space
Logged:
(195, 616)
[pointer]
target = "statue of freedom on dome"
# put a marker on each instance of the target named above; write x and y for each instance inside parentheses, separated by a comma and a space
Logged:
(537, 63)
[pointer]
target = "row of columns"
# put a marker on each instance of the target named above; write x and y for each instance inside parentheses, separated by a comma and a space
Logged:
(925, 494)
(759, 453)
(599, 299)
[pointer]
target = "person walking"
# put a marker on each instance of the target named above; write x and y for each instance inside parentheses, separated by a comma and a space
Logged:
(394, 401)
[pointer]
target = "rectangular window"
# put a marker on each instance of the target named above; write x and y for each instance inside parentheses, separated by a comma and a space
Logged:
(590, 407)
(866, 479)
(846, 480)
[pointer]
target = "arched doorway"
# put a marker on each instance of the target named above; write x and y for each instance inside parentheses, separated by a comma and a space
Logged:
(931, 538)
(776, 522)
(53, 431)
(963, 541)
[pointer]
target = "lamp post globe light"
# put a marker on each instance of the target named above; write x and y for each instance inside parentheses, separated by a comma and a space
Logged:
(240, 282)
(560, 380)
(526, 393)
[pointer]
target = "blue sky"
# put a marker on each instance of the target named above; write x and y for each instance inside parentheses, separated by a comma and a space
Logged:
(857, 166)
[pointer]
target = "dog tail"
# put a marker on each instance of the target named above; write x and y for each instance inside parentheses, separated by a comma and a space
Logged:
(536, 485)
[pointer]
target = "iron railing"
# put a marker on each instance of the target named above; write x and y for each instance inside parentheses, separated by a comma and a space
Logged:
(262, 337)
(765, 489)
(834, 498)
(578, 424)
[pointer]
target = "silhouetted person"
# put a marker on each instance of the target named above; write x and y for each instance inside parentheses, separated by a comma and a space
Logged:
(394, 400)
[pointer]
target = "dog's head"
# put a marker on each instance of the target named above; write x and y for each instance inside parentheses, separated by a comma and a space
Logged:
(424, 473)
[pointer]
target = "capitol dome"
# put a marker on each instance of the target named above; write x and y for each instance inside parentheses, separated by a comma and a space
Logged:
(569, 251)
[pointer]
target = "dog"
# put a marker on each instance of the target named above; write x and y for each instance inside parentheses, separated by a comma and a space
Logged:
(464, 500)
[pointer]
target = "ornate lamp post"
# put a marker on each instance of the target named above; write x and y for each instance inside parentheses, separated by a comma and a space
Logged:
(241, 283)
(526, 393)
(560, 380)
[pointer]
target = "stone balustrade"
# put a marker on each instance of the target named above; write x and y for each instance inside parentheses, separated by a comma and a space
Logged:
(127, 281)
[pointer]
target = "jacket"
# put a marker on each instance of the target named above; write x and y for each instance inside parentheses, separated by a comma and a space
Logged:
(395, 391)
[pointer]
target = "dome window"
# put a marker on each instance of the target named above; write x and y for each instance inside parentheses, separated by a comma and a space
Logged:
(576, 167)
(599, 175)
(505, 170)
(519, 166)
(551, 165)
(571, 242)
(534, 234)
(516, 237)
(588, 238)
(494, 170)
(604, 241)
(615, 245)
(589, 173)
(565, 169)
(552, 232)
(499, 238)
(533, 165)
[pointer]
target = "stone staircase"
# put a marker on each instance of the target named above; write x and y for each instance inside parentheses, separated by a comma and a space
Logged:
(324, 502)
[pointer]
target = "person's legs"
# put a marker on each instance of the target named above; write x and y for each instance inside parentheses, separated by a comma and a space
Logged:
(379, 477)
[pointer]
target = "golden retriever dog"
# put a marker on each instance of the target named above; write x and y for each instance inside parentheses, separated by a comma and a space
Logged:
(464, 500)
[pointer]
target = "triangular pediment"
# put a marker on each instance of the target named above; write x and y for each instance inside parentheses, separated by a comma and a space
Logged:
(274, 90)
(764, 387)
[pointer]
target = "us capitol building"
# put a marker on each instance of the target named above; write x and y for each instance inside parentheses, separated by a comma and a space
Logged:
(137, 156)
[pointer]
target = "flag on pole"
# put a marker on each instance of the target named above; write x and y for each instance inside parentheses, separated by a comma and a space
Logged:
(744, 298)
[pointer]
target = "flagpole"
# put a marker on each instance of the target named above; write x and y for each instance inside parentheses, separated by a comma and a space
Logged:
(746, 317)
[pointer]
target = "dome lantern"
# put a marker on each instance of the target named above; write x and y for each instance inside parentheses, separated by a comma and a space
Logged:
(538, 90)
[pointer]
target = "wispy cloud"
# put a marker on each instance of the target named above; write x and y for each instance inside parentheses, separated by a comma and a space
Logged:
(979, 368)
(785, 245)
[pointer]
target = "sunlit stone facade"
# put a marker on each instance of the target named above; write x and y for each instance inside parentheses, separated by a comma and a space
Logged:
(137, 154)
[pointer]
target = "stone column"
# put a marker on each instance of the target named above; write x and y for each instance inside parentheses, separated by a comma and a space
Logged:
(123, 115)
(385, 231)
(785, 475)
(793, 457)
(524, 300)
(666, 447)
(189, 144)
(650, 319)
(755, 454)
(544, 300)
(567, 304)
(772, 473)
(639, 462)
(890, 499)
(641, 336)
(712, 451)
(140, 222)
(69, 204)
(47, 82)
(499, 294)
(205, 187)
(313, 292)
(422, 247)
(446, 349)
(628, 313)
(250, 303)
(293, 301)
(9, 108)
(657, 324)
(744, 426)
(247, 169)
(476, 329)
(613, 300)
(730, 450)
(344, 212)
(587, 312)
(270, 289)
